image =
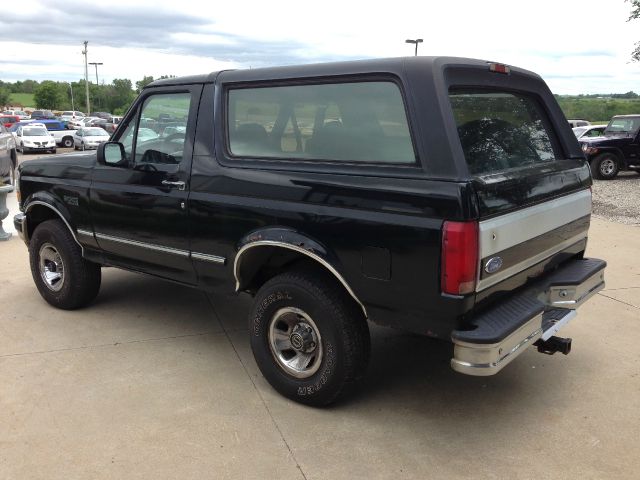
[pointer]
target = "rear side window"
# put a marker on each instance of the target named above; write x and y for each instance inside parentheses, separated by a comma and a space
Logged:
(346, 122)
(500, 130)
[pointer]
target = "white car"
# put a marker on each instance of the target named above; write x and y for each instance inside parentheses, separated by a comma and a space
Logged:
(89, 138)
(69, 115)
(589, 131)
(34, 138)
(17, 113)
(80, 122)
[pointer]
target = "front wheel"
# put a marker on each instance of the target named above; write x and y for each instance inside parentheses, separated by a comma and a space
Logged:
(62, 276)
(310, 340)
(604, 166)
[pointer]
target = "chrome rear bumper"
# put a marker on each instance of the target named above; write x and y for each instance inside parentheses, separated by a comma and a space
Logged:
(499, 335)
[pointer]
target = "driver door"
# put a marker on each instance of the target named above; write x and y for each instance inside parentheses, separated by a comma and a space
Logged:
(140, 209)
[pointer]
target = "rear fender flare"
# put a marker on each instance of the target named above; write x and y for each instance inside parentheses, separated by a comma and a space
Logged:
(278, 237)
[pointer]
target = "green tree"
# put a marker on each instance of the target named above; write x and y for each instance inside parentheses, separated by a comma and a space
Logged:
(146, 80)
(48, 95)
(4, 96)
(635, 15)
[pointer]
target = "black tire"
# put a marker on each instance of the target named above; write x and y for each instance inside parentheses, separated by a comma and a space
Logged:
(53, 251)
(605, 166)
(341, 353)
(67, 142)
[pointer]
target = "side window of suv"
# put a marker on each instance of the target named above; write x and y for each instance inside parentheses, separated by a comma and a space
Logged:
(354, 122)
(157, 134)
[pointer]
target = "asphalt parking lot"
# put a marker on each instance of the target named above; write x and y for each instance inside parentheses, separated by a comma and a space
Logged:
(156, 380)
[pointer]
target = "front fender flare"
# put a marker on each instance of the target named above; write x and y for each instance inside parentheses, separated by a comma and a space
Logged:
(49, 201)
(290, 239)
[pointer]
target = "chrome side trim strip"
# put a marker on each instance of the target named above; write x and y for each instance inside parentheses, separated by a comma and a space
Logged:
(317, 258)
(147, 246)
(85, 233)
(209, 258)
(503, 274)
(506, 231)
(44, 204)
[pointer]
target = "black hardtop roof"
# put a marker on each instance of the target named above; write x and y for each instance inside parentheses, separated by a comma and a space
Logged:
(385, 65)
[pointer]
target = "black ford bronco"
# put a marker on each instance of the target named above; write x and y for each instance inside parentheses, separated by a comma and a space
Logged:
(443, 196)
(618, 149)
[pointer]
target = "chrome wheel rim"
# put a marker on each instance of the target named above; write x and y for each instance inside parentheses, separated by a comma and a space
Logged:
(607, 167)
(295, 342)
(51, 267)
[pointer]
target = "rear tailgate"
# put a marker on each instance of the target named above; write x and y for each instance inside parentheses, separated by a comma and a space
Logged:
(532, 187)
(534, 203)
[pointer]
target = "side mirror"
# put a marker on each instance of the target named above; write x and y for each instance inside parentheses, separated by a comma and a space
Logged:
(112, 154)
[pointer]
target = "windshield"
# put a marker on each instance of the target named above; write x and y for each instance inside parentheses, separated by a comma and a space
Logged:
(35, 132)
(500, 131)
(623, 125)
(95, 132)
(579, 131)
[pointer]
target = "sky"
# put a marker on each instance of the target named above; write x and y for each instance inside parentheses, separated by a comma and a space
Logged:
(576, 46)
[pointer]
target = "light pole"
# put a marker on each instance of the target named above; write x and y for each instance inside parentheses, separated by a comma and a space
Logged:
(95, 64)
(416, 42)
(86, 75)
(72, 105)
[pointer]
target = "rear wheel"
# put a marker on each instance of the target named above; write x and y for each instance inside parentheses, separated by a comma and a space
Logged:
(67, 142)
(605, 166)
(62, 276)
(310, 340)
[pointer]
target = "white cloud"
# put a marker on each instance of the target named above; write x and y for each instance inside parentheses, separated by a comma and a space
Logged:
(561, 40)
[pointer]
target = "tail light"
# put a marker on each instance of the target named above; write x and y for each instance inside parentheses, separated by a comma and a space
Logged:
(459, 257)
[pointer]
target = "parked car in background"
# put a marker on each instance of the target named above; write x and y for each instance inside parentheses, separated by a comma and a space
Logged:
(80, 122)
(8, 120)
(589, 131)
(8, 157)
(17, 113)
(112, 124)
(42, 115)
(578, 123)
(69, 115)
(96, 122)
(618, 149)
(61, 134)
(89, 138)
(34, 138)
(105, 115)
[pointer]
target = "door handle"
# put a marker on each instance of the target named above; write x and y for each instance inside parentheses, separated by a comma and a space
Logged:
(178, 185)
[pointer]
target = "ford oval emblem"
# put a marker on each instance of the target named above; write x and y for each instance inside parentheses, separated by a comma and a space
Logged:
(493, 265)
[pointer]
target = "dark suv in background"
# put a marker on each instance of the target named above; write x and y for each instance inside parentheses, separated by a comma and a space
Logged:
(618, 149)
(42, 115)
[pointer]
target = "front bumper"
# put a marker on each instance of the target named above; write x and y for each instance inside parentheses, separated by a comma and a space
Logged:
(20, 224)
(496, 337)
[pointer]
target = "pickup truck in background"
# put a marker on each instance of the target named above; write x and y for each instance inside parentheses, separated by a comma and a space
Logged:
(618, 149)
(443, 196)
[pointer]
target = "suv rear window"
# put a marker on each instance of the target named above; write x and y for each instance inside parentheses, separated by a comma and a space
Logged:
(500, 130)
(362, 122)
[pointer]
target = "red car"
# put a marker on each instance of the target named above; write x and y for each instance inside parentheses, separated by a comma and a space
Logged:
(8, 120)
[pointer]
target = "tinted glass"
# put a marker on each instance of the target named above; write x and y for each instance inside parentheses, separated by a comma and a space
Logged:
(166, 116)
(500, 131)
(348, 122)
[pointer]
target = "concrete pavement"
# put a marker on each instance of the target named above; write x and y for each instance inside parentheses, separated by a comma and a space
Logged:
(155, 380)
